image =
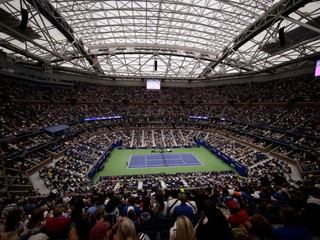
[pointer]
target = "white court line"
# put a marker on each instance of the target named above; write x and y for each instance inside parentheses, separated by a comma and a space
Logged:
(146, 160)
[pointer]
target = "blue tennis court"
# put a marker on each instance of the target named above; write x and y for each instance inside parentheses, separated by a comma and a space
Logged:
(163, 160)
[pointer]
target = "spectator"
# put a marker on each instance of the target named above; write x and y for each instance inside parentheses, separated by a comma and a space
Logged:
(97, 203)
(35, 225)
(112, 211)
(131, 214)
(191, 203)
(311, 212)
(29, 206)
(200, 197)
(13, 224)
(126, 231)
(238, 216)
(159, 205)
(261, 228)
(80, 217)
(173, 201)
(100, 229)
(183, 208)
(146, 215)
(131, 205)
(212, 223)
(291, 229)
(182, 229)
(58, 226)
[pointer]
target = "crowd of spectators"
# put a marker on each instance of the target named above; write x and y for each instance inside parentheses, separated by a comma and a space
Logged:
(273, 91)
(167, 111)
(158, 211)
(83, 152)
(17, 118)
(307, 156)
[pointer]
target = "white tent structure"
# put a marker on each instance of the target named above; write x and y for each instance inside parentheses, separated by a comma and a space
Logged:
(175, 41)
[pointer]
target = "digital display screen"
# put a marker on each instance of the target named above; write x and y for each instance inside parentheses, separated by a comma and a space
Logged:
(317, 70)
(153, 84)
(198, 117)
(102, 118)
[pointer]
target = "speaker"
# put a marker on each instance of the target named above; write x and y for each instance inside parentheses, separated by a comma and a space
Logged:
(155, 65)
(24, 19)
(282, 38)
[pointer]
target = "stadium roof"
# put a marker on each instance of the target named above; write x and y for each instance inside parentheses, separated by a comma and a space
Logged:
(182, 39)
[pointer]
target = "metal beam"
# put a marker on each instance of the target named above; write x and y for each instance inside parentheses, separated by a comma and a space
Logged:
(12, 48)
(27, 39)
(312, 28)
(283, 8)
(155, 48)
(53, 16)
